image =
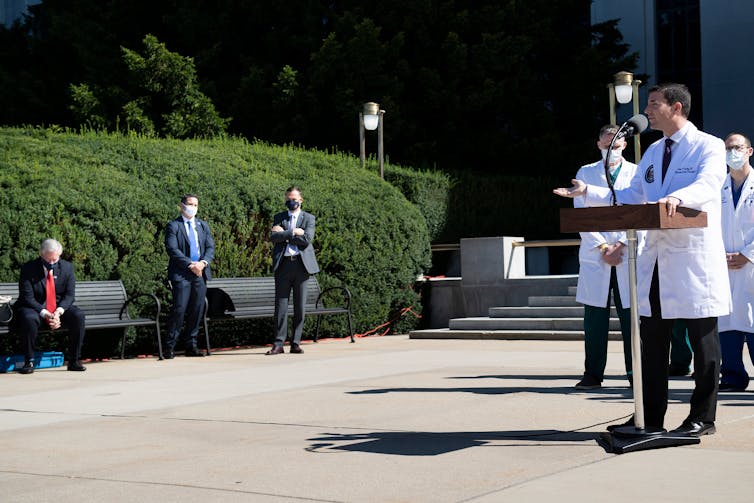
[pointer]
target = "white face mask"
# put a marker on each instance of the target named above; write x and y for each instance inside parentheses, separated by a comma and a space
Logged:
(615, 156)
(735, 159)
(189, 211)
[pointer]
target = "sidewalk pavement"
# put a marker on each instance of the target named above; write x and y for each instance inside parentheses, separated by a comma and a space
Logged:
(386, 419)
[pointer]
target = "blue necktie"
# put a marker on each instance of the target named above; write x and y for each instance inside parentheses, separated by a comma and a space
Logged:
(193, 247)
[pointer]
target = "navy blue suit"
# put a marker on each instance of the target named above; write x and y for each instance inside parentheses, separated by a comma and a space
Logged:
(32, 297)
(189, 290)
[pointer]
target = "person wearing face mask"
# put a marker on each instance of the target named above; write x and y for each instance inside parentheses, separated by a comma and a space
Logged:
(602, 268)
(47, 288)
(293, 262)
(738, 236)
(191, 249)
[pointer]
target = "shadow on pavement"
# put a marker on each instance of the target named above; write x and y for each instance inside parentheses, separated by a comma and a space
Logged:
(433, 444)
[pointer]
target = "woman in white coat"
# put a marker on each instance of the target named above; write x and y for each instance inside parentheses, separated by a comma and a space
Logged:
(682, 273)
(602, 267)
(738, 236)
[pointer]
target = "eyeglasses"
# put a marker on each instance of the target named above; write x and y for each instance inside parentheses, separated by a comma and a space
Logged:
(740, 148)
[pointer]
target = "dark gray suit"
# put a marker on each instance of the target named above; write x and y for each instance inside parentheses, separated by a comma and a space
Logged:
(292, 273)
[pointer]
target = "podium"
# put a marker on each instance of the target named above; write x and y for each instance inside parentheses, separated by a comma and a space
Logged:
(630, 218)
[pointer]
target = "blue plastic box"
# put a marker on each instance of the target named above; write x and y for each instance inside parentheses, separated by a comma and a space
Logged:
(42, 360)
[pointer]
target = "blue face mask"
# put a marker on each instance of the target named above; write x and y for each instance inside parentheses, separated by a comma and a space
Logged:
(292, 205)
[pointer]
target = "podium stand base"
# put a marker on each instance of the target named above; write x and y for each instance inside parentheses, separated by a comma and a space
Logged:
(629, 439)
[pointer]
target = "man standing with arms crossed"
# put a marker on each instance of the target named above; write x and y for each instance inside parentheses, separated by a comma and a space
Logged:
(681, 273)
(293, 261)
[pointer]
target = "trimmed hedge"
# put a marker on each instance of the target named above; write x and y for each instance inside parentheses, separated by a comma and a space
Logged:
(107, 198)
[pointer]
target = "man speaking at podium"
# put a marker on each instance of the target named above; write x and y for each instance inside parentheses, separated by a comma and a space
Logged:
(681, 273)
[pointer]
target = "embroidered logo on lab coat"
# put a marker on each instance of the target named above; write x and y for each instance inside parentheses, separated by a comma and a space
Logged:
(649, 174)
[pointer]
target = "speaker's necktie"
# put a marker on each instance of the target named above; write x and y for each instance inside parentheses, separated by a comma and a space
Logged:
(193, 245)
(666, 157)
(50, 303)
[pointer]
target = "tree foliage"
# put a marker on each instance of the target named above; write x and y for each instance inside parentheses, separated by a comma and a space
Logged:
(164, 97)
(494, 86)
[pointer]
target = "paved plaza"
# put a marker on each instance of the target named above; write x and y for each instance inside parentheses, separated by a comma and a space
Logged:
(386, 419)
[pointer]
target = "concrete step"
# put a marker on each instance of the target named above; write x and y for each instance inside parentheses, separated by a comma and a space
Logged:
(544, 324)
(540, 312)
(544, 335)
(553, 301)
(572, 290)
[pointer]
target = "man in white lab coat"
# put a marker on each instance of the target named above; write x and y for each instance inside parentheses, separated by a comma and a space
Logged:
(602, 268)
(738, 236)
(681, 273)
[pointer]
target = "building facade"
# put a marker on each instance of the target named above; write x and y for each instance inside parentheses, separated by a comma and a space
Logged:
(704, 44)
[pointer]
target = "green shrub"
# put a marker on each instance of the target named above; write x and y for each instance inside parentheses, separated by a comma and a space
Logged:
(107, 198)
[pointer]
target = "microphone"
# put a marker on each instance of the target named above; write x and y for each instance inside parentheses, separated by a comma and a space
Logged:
(635, 125)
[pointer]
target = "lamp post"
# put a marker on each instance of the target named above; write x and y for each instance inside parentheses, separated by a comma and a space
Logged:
(625, 89)
(371, 118)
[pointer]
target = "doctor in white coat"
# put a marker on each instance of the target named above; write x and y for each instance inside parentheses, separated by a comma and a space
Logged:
(738, 236)
(602, 268)
(681, 273)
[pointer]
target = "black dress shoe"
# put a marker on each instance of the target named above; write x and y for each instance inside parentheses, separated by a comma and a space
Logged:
(695, 428)
(296, 349)
(275, 350)
(588, 382)
(168, 354)
(28, 368)
(75, 366)
(630, 422)
(193, 352)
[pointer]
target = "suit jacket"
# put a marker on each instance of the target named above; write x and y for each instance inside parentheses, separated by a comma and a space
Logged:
(32, 287)
(179, 251)
(281, 239)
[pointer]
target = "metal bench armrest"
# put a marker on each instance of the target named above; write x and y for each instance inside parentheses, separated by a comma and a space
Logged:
(346, 296)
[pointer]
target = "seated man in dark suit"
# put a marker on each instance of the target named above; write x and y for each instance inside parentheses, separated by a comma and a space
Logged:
(47, 289)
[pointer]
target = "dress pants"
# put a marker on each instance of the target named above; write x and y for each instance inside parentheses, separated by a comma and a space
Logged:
(27, 323)
(732, 345)
(189, 292)
(655, 341)
(596, 327)
(290, 275)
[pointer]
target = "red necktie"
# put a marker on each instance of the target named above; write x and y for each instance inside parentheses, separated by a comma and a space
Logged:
(50, 288)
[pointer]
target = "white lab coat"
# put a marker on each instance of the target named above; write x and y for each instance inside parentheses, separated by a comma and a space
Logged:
(738, 236)
(693, 273)
(594, 273)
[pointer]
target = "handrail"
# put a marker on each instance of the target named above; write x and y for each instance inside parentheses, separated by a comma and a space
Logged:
(440, 247)
(546, 242)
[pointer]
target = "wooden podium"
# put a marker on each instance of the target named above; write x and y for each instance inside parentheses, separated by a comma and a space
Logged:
(630, 218)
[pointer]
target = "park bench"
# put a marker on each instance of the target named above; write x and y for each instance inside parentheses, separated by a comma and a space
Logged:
(246, 298)
(105, 305)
